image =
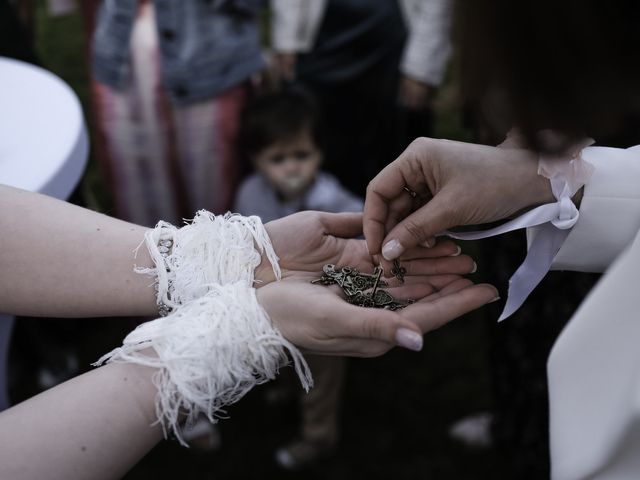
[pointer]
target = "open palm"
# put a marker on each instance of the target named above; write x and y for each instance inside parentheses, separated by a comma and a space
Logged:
(306, 241)
(320, 321)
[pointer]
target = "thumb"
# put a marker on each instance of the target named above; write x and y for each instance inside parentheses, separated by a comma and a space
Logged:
(343, 225)
(383, 325)
(419, 227)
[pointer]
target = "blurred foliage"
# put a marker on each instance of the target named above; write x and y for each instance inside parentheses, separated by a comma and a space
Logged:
(60, 45)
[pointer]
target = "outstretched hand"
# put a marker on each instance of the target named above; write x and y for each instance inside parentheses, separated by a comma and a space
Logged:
(319, 320)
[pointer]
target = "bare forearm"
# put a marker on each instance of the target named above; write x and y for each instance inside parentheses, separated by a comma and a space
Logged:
(61, 260)
(95, 426)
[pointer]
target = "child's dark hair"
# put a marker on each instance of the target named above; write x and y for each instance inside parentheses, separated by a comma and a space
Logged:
(277, 116)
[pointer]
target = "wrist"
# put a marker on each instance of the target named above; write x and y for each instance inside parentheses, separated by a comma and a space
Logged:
(533, 189)
(541, 189)
(263, 274)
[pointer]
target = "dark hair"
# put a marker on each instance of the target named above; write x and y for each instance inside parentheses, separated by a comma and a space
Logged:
(277, 116)
(571, 65)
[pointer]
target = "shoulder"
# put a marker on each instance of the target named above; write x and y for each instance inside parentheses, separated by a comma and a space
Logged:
(329, 195)
(252, 194)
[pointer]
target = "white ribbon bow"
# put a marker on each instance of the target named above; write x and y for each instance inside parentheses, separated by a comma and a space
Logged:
(552, 223)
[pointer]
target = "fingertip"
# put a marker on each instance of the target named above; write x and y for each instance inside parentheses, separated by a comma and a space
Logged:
(492, 293)
(409, 339)
(392, 250)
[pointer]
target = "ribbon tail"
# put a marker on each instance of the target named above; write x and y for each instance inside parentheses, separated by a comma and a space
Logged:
(542, 251)
(537, 216)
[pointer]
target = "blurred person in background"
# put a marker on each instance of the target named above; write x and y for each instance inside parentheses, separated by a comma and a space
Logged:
(169, 80)
(374, 66)
(280, 135)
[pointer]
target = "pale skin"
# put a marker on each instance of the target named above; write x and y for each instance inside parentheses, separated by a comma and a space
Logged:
(456, 184)
(65, 261)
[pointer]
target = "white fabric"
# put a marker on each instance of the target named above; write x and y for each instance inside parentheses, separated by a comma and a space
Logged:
(428, 48)
(594, 367)
(594, 381)
(44, 144)
(256, 196)
(550, 224)
(295, 24)
(212, 249)
(609, 212)
(209, 353)
(218, 342)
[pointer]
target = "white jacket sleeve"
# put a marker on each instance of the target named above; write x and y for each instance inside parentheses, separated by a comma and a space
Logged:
(609, 213)
(428, 45)
(295, 23)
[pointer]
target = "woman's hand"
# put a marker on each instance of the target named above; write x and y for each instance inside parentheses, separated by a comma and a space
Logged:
(455, 184)
(317, 318)
(306, 241)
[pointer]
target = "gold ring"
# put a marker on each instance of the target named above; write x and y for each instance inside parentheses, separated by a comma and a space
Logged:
(409, 191)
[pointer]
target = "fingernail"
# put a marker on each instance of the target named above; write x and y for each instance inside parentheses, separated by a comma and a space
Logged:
(475, 268)
(427, 244)
(392, 250)
(409, 339)
(495, 299)
(458, 251)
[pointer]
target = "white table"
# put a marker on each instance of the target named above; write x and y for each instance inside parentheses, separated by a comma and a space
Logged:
(43, 148)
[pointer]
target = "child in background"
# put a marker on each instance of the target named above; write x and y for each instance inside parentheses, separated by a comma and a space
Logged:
(279, 133)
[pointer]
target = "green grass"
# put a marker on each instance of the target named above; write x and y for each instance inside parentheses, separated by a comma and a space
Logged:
(60, 45)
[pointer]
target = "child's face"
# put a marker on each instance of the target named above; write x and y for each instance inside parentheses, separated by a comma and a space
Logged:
(290, 165)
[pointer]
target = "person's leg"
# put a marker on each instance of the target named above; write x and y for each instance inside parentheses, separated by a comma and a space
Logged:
(206, 148)
(135, 129)
(320, 407)
(320, 431)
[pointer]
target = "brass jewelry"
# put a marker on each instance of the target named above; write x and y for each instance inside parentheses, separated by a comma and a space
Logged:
(361, 289)
(409, 191)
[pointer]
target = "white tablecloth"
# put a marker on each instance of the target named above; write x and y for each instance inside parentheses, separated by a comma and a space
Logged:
(43, 147)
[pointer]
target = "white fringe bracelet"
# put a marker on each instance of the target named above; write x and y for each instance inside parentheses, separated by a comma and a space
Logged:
(219, 342)
(212, 249)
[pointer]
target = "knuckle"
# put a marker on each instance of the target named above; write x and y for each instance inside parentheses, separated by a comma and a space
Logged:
(372, 329)
(421, 143)
(371, 186)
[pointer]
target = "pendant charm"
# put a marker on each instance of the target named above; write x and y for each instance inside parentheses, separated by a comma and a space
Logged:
(398, 271)
(362, 289)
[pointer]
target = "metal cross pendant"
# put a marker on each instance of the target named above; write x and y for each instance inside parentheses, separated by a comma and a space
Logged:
(398, 271)
(360, 288)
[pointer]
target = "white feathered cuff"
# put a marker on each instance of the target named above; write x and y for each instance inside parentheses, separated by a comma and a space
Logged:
(218, 342)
